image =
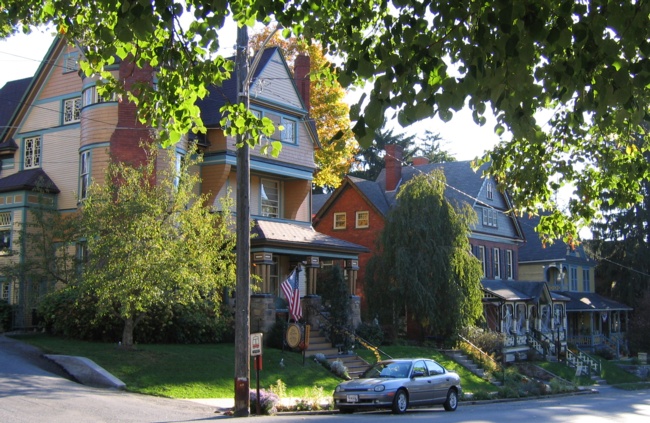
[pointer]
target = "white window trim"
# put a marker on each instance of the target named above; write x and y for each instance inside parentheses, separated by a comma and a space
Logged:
(510, 269)
(84, 174)
(277, 206)
(75, 111)
(496, 260)
(367, 219)
(6, 225)
(293, 132)
(481, 253)
(32, 154)
(336, 222)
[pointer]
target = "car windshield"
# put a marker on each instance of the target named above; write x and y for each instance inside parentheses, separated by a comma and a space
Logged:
(388, 369)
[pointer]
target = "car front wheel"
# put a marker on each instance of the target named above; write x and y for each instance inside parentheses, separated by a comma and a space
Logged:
(400, 402)
(452, 400)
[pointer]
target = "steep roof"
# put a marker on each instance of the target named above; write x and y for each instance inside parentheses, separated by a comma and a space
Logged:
(11, 95)
(534, 251)
(28, 180)
(520, 290)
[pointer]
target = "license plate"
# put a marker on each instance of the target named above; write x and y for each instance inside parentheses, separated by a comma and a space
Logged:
(353, 398)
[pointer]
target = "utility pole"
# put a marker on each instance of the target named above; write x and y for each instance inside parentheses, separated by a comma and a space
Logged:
(242, 295)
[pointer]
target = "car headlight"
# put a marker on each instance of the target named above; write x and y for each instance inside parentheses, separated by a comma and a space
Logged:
(379, 388)
(338, 389)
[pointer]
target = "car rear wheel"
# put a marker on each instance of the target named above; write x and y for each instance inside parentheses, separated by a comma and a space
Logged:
(452, 400)
(400, 402)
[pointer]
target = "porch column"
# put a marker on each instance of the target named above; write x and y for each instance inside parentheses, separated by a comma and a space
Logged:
(352, 266)
(262, 267)
(313, 264)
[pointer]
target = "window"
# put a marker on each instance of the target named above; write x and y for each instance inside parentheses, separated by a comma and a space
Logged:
(177, 170)
(434, 368)
(586, 280)
(91, 96)
(480, 254)
(5, 233)
(289, 131)
(71, 110)
(496, 261)
(363, 219)
(5, 291)
(490, 191)
(489, 217)
(32, 152)
(510, 270)
(71, 62)
(84, 175)
(574, 278)
(270, 198)
(339, 220)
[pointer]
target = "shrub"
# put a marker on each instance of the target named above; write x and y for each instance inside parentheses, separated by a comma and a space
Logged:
(371, 333)
(338, 368)
(487, 341)
(268, 402)
(6, 313)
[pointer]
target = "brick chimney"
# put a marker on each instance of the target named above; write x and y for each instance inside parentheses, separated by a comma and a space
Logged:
(125, 140)
(420, 161)
(301, 76)
(393, 161)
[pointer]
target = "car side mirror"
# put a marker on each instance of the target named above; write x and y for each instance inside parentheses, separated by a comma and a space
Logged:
(417, 374)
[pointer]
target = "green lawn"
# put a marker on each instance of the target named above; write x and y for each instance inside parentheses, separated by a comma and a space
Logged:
(190, 371)
(207, 371)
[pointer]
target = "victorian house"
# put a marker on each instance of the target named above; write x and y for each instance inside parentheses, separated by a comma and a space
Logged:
(593, 322)
(56, 132)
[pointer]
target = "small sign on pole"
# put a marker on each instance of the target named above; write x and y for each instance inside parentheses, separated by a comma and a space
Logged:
(256, 344)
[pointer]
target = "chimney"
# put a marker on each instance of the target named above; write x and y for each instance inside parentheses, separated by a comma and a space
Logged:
(301, 76)
(393, 161)
(420, 161)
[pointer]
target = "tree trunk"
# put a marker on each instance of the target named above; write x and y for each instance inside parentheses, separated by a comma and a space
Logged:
(127, 333)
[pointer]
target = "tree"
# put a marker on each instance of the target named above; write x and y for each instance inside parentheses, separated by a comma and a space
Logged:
(153, 242)
(370, 160)
(328, 110)
(585, 61)
(423, 265)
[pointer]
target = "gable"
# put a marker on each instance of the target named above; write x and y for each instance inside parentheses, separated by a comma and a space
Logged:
(274, 84)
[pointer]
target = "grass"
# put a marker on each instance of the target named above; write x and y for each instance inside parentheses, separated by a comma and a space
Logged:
(565, 372)
(190, 371)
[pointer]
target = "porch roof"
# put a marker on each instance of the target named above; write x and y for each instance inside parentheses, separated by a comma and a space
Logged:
(590, 301)
(294, 238)
(520, 290)
(29, 180)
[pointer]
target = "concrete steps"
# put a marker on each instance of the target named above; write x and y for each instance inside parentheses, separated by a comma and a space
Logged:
(318, 344)
(461, 358)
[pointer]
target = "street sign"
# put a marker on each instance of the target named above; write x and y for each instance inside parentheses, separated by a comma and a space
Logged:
(256, 344)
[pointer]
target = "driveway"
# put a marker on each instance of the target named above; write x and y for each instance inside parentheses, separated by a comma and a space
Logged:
(33, 389)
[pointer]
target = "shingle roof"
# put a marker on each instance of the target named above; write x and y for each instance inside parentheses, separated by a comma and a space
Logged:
(533, 250)
(520, 290)
(28, 180)
(590, 301)
(10, 96)
(299, 235)
(219, 96)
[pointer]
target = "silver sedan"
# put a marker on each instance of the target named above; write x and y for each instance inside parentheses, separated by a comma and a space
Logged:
(398, 384)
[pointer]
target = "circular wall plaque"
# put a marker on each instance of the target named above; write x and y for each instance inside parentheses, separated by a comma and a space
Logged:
(293, 335)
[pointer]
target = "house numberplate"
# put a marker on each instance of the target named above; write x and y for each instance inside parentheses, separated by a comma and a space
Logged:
(353, 398)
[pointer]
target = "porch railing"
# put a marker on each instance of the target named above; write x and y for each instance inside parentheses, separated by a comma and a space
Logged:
(582, 361)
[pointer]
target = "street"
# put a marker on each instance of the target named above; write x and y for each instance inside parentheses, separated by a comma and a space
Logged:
(29, 393)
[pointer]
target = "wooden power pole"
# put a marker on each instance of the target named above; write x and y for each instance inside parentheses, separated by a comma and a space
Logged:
(242, 295)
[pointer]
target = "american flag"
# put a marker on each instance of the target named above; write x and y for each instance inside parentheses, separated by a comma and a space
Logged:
(291, 290)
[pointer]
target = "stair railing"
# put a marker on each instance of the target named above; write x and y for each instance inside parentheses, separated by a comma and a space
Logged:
(341, 330)
(482, 353)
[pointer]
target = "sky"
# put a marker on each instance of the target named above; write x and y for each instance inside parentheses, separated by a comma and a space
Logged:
(20, 56)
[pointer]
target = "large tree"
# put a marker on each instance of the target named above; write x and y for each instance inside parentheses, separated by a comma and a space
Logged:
(584, 61)
(423, 267)
(153, 242)
(330, 112)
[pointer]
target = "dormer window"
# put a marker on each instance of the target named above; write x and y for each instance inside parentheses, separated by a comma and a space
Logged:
(489, 191)
(289, 131)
